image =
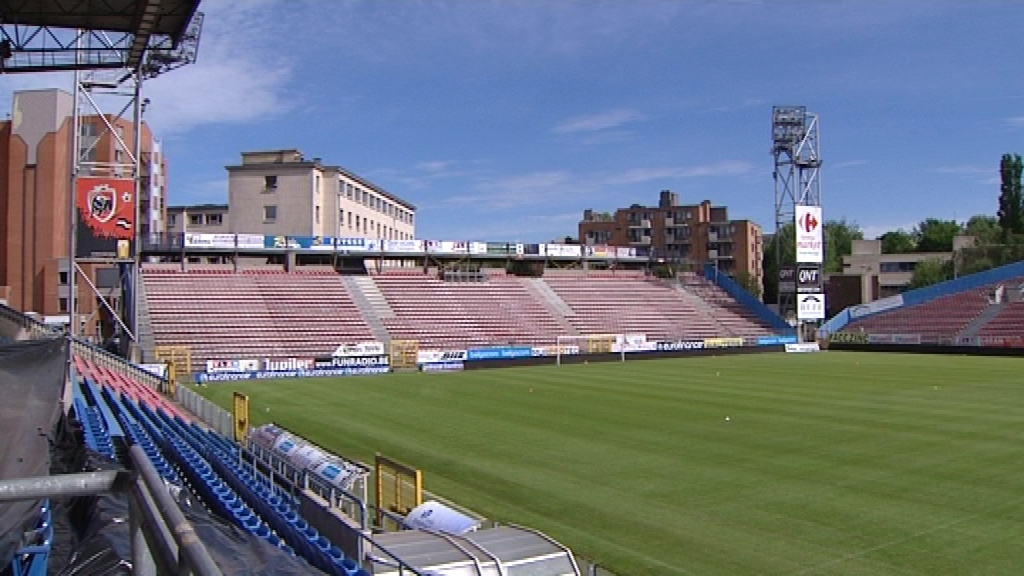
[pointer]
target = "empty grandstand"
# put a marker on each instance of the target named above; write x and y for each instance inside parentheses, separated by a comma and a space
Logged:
(221, 314)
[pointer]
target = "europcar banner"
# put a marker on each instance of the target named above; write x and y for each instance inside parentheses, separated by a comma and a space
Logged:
(679, 345)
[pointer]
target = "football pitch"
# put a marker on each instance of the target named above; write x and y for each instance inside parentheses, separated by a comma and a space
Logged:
(832, 463)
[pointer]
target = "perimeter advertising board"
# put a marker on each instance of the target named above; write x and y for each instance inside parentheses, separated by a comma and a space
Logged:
(809, 245)
(810, 306)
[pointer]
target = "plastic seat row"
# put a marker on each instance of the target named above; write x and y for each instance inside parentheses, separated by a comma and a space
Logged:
(32, 558)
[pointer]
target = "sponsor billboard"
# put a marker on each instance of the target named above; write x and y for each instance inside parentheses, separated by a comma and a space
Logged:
(809, 245)
(599, 251)
(211, 240)
(804, 347)
(501, 248)
(563, 250)
(848, 338)
(312, 373)
(350, 244)
(553, 350)
(808, 279)
(733, 342)
(357, 349)
(679, 345)
(341, 361)
(105, 217)
(810, 306)
(324, 243)
(478, 247)
(775, 340)
(249, 240)
(506, 353)
(433, 356)
(625, 252)
(443, 366)
(411, 246)
(247, 365)
(279, 242)
(787, 279)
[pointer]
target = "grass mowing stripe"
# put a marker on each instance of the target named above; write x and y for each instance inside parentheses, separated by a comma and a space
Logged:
(846, 463)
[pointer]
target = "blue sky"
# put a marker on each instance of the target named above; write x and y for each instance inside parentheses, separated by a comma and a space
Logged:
(505, 120)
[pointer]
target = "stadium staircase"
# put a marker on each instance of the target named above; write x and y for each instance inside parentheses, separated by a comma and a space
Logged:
(558, 308)
(975, 326)
(701, 306)
(371, 302)
(147, 340)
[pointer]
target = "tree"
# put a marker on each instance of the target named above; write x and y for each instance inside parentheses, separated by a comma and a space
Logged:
(770, 262)
(1011, 202)
(985, 229)
(897, 242)
(935, 235)
(748, 282)
(839, 236)
(931, 271)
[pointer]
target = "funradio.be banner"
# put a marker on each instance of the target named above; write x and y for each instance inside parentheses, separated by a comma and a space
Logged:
(349, 362)
(809, 246)
(506, 353)
(775, 340)
(723, 342)
(357, 349)
(679, 345)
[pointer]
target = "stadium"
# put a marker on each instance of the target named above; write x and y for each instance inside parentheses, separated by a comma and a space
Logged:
(384, 404)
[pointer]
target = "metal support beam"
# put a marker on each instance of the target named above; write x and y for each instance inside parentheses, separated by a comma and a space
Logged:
(64, 485)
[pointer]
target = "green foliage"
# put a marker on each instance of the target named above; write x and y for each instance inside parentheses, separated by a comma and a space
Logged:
(985, 229)
(898, 242)
(1011, 201)
(935, 235)
(748, 282)
(839, 236)
(664, 271)
(770, 264)
(931, 271)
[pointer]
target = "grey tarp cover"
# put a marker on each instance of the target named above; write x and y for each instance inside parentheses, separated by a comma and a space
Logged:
(32, 377)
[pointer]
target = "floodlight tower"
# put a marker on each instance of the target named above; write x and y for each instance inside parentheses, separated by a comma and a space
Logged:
(110, 50)
(797, 176)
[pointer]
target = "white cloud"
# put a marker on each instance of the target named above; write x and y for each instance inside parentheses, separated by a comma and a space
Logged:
(1015, 122)
(433, 166)
(600, 121)
(639, 175)
(849, 164)
(965, 170)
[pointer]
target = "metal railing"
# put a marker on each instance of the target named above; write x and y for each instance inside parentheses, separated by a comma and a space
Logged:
(162, 540)
(212, 415)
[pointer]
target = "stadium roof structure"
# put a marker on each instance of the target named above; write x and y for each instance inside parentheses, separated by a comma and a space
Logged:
(54, 35)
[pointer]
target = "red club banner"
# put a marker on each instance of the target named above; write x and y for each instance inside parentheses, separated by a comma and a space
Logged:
(106, 214)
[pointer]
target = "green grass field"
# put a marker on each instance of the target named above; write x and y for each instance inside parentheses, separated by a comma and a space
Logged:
(833, 463)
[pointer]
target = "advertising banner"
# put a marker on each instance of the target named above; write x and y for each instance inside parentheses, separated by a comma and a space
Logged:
(248, 365)
(805, 347)
(787, 279)
(251, 241)
(563, 250)
(506, 353)
(354, 350)
(599, 251)
(848, 338)
(808, 279)
(552, 350)
(625, 253)
(226, 241)
(350, 244)
(279, 242)
(105, 217)
(501, 248)
(478, 247)
(324, 243)
(809, 245)
(407, 246)
(810, 306)
(679, 345)
(723, 342)
(443, 366)
(340, 361)
(155, 369)
(313, 373)
(775, 340)
(447, 247)
(433, 356)
(633, 343)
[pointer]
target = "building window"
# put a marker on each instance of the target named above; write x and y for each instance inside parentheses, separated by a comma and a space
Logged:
(350, 220)
(316, 215)
(172, 219)
(270, 183)
(214, 219)
(62, 278)
(269, 213)
(62, 303)
(357, 222)
(195, 219)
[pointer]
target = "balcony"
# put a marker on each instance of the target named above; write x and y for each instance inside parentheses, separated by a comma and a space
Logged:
(642, 240)
(640, 224)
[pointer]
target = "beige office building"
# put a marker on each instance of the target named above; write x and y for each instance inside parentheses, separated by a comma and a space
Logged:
(281, 193)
